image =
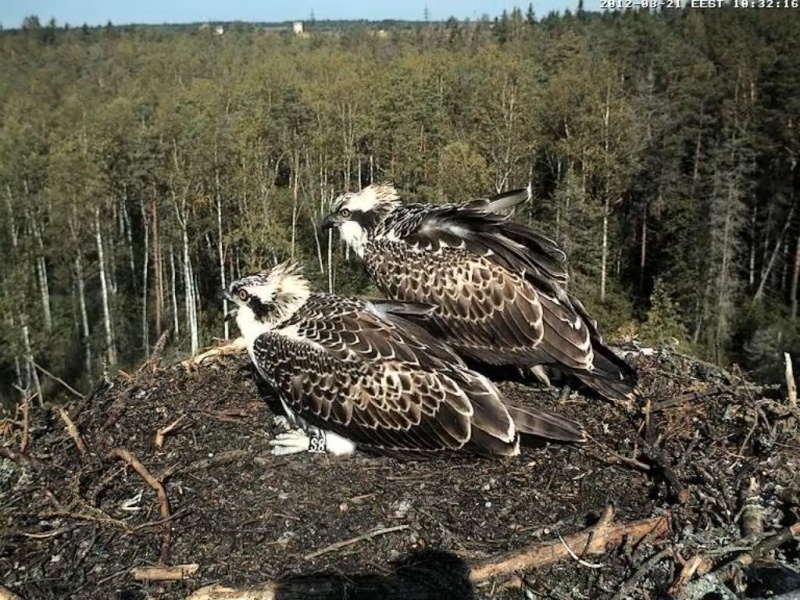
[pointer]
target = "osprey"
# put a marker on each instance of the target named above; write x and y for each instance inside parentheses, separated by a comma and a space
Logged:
(353, 373)
(496, 288)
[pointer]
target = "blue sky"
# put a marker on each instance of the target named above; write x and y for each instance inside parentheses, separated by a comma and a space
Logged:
(99, 12)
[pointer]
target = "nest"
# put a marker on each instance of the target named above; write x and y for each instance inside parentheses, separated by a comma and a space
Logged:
(162, 485)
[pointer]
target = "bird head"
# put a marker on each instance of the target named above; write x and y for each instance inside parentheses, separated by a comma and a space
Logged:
(265, 300)
(356, 214)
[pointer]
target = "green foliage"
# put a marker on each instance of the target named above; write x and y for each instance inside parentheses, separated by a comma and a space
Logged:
(662, 147)
(663, 324)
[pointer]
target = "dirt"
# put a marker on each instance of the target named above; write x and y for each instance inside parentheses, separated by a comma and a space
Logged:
(73, 524)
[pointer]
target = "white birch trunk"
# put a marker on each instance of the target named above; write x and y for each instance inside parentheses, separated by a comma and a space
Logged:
(188, 282)
(294, 202)
(41, 276)
(111, 350)
(44, 288)
(145, 289)
(221, 255)
(85, 335)
(174, 292)
(604, 254)
(12, 225)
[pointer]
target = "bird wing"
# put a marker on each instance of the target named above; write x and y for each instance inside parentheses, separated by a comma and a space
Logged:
(389, 388)
(497, 285)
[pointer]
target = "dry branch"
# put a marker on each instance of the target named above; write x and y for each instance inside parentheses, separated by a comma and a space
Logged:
(355, 540)
(21, 459)
(590, 542)
(58, 379)
(687, 397)
(236, 346)
(626, 588)
(265, 591)
(161, 495)
(165, 430)
(25, 408)
(73, 432)
(723, 574)
(174, 573)
(26, 424)
(154, 362)
(593, 541)
(657, 457)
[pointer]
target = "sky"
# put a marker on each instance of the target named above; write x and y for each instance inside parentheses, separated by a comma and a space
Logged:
(99, 12)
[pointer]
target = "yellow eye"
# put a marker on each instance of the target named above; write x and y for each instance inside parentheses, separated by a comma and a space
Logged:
(345, 212)
(243, 295)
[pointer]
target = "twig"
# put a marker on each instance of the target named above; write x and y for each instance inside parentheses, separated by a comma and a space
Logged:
(719, 576)
(697, 564)
(626, 588)
(355, 540)
(165, 430)
(236, 346)
(59, 380)
(687, 397)
(21, 459)
(161, 495)
(25, 407)
(117, 408)
(95, 515)
(595, 541)
(73, 432)
(215, 591)
(615, 458)
(791, 386)
(693, 359)
(577, 558)
(658, 458)
(43, 535)
(205, 463)
(174, 573)
(154, 362)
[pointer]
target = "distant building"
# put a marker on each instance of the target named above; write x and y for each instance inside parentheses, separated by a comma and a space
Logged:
(297, 27)
(219, 29)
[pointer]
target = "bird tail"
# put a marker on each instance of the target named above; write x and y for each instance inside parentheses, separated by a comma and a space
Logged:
(545, 424)
(612, 377)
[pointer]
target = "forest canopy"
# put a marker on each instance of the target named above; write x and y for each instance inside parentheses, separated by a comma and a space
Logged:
(142, 168)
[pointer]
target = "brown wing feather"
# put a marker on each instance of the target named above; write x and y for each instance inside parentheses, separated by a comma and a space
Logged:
(485, 311)
(393, 388)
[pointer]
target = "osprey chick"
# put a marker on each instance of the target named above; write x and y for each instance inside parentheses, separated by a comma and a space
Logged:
(496, 287)
(354, 374)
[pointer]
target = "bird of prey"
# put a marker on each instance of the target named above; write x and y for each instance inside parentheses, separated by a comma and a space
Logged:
(497, 287)
(356, 374)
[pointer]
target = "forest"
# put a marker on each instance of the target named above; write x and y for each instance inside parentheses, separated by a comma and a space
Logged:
(142, 168)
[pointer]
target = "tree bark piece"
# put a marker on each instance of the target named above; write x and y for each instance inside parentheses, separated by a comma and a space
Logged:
(73, 432)
(174, 573)
(593, 541)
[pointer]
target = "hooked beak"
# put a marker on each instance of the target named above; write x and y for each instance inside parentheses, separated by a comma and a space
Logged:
(329, 222)
(225, 295)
